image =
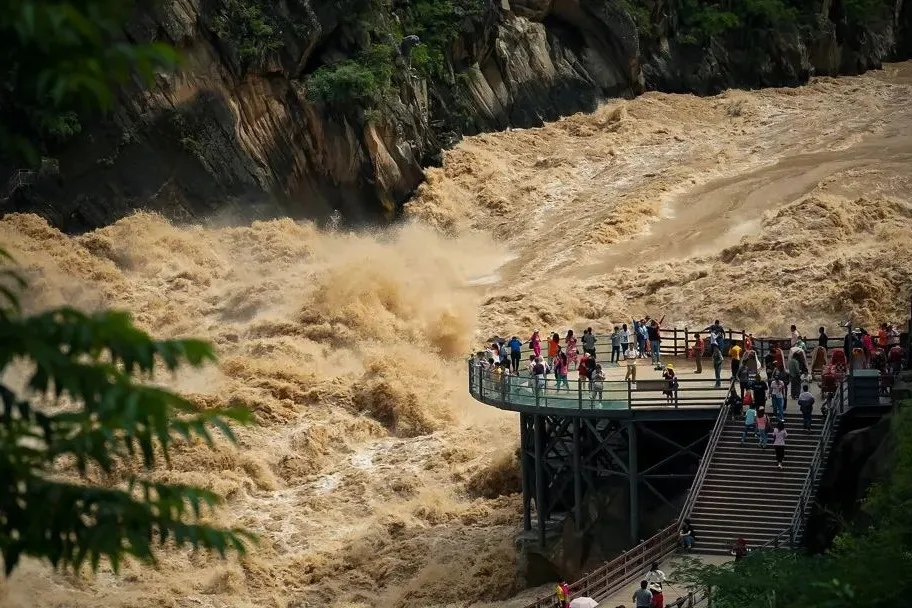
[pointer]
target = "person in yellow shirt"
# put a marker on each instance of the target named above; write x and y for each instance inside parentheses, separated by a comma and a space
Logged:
(735, 354)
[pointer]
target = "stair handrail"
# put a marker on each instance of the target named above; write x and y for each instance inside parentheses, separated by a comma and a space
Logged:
(714, 436)
(810, 480)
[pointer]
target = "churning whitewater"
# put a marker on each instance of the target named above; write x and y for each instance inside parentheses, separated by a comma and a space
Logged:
(370, 476)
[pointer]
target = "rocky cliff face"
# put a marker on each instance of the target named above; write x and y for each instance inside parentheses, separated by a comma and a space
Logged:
(239, 135)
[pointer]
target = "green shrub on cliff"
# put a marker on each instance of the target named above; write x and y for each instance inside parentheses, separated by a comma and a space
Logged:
(248, 28)
(439, 23)
(866, 12)
(702, 21)
(351, 84)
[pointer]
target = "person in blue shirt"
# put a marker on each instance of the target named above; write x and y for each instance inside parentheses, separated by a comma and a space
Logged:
(750, 423)
(515, 352)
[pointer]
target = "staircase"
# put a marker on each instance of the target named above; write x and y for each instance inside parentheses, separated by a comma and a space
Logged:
(746, 494)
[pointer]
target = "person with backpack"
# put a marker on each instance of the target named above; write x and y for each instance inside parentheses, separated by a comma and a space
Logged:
(538, 375)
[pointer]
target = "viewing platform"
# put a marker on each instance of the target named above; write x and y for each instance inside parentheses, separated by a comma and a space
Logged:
(665, 454)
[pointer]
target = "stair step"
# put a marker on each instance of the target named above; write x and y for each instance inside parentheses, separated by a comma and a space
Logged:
(744, 502)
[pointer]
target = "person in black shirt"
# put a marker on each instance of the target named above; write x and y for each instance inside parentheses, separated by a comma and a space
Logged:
(823, 338)
(760, 387)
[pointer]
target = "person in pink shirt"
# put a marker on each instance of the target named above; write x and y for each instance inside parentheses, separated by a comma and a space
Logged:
(763, 424)
(535, 343)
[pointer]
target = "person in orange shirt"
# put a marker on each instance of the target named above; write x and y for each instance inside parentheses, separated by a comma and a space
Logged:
(553, 346)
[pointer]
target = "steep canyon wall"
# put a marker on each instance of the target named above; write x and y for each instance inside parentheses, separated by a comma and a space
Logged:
(239, 131)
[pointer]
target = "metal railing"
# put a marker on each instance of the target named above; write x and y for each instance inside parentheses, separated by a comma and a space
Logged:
(19, 179)
(835, 405)
(523, 391)
(620, 571)
(706, 460)
(675, 342)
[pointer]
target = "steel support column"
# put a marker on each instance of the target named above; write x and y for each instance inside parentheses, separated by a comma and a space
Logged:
(524, 471)
(634, 479)
(577, 476)
(540, 508)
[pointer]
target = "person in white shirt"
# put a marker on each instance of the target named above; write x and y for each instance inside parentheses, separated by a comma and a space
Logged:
(795, 336)
(655, 576)
(630, 356)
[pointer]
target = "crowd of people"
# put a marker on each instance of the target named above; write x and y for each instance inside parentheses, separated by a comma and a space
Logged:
(786, 368)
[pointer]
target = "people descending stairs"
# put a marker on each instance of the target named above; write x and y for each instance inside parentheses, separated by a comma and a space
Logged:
(745, 493)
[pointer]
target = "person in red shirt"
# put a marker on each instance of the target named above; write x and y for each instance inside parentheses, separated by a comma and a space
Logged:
(882, 336)
(698, 353)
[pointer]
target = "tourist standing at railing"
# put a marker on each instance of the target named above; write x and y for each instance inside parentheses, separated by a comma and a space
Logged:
(892, 336)
(717, 364)
(515, 353)
(717, 335)
(867, 343)
(571, 342)
(589, 342)
(658, 598)
(598, 385)
(585, 368)
(794, 335)
(671, 385)
(625, 337)
(698, 353)
(553, 346)
(655, 339)
(616, 345)
(630, 358)
(822, 338)
(561, 368)
(779, 435)
(539, 371)
(642, 337)
(535, 343)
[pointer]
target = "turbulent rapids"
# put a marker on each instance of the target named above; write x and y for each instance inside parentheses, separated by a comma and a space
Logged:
(370, 476)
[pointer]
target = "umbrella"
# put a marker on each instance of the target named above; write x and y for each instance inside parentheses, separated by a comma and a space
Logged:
(583, 602)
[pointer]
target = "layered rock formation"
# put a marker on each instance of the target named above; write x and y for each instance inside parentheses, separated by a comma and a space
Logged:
(243, 137)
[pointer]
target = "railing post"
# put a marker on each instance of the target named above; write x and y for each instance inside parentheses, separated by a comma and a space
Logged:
(629, 394)
(686, 338)
(579, 392)
(503, 388)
